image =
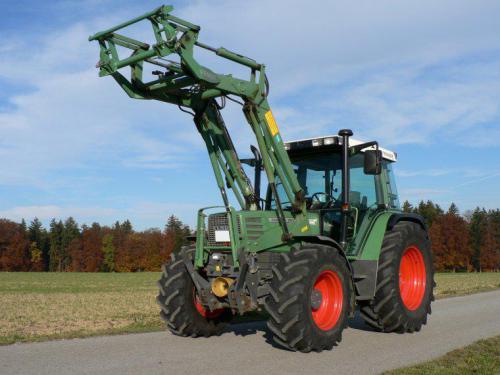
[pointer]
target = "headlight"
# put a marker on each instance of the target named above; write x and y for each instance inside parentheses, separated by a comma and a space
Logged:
(328, 141)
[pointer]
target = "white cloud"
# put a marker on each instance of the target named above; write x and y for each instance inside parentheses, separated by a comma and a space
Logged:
(74, 120)
(47, 212)
(370, 65)
(331, 41)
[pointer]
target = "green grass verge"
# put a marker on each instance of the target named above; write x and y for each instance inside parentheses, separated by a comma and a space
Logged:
(132, 328)
(45, 306)
(482, 357)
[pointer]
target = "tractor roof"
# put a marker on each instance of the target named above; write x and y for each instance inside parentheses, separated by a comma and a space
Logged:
(332, 141)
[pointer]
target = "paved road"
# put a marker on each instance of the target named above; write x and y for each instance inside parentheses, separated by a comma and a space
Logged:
(245, 348)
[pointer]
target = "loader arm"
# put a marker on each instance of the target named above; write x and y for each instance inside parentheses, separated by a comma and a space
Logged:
(188, 84)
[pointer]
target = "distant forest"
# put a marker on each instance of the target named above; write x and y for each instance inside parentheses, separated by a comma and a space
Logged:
(66, 246)
(460, 242)
(468, 242)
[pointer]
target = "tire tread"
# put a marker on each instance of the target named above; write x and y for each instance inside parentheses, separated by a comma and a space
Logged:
(385, 312)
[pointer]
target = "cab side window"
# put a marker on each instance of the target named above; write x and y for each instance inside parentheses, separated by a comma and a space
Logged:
(363, 193)
(392, 191)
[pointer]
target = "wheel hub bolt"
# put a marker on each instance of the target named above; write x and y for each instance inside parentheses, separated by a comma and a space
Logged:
(316, 299)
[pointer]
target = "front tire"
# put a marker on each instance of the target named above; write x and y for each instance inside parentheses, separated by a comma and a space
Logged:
(405, 281)
(180, 306)
(310, 298)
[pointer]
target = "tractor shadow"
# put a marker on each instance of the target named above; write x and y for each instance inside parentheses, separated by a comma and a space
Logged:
(247, 328)
(358, 323)
(252, 328)
(259, 326)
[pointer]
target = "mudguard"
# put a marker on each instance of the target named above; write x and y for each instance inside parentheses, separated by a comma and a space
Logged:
(365, 267)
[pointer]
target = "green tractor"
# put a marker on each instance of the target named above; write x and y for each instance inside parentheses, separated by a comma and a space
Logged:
(327, 236)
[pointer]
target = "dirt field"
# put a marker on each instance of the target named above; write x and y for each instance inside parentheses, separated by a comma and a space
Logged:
(40, 306)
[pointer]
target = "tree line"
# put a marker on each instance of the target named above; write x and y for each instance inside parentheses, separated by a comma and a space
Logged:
(66, 246)
(468, 242)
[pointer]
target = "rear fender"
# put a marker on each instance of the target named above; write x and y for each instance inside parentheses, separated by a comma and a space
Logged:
(365, 267)
(405, 216)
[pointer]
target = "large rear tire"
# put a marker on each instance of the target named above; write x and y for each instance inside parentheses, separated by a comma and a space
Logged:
(180, 305)
(310, 298)
(405, 281)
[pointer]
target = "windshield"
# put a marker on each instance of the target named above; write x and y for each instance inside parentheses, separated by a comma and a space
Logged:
(320, 176)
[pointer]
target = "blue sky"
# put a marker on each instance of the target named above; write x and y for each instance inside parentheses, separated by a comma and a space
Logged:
(422, 77)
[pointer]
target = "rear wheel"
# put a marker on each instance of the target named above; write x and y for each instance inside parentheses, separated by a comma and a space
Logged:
(180, 305)
(405, 281)
(310, 298)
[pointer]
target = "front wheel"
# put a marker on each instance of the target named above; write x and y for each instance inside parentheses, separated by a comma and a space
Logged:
(310, 298)
(180, 305)
(405, 281)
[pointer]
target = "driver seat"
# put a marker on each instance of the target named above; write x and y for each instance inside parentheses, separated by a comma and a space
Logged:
(355, 199)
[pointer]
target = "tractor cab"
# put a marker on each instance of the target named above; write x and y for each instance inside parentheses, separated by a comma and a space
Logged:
(318, 166)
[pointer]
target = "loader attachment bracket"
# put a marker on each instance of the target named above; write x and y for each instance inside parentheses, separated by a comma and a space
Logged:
(183, 81)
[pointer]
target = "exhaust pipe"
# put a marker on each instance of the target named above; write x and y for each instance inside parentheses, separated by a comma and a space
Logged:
(220, 286)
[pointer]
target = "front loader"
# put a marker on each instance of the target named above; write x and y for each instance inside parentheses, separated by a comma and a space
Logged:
(325, 237)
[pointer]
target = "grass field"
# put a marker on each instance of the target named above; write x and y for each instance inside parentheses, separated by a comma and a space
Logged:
(482, 357)
(40, 306)
(457, 284)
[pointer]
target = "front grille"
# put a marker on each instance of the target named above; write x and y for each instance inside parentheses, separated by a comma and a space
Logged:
(219, 222)
(216, 222)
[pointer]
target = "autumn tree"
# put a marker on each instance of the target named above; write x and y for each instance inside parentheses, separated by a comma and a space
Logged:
(450, 241)
(92, 248)
(36, 258)
(154, 250)
(130, 256)
(77, 254)
(438, 245)
(14, 247)
(120, 233)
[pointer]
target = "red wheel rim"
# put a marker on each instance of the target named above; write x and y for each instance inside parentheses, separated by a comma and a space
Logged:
(203, 312)
(328, 312)
(412, 278)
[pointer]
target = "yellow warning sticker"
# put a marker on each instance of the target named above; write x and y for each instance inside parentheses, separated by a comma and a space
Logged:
(271, 122)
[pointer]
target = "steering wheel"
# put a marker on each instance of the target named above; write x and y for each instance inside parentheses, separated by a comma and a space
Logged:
(315, 201)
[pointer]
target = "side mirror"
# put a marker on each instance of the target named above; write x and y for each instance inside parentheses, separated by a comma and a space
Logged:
(373, 162)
